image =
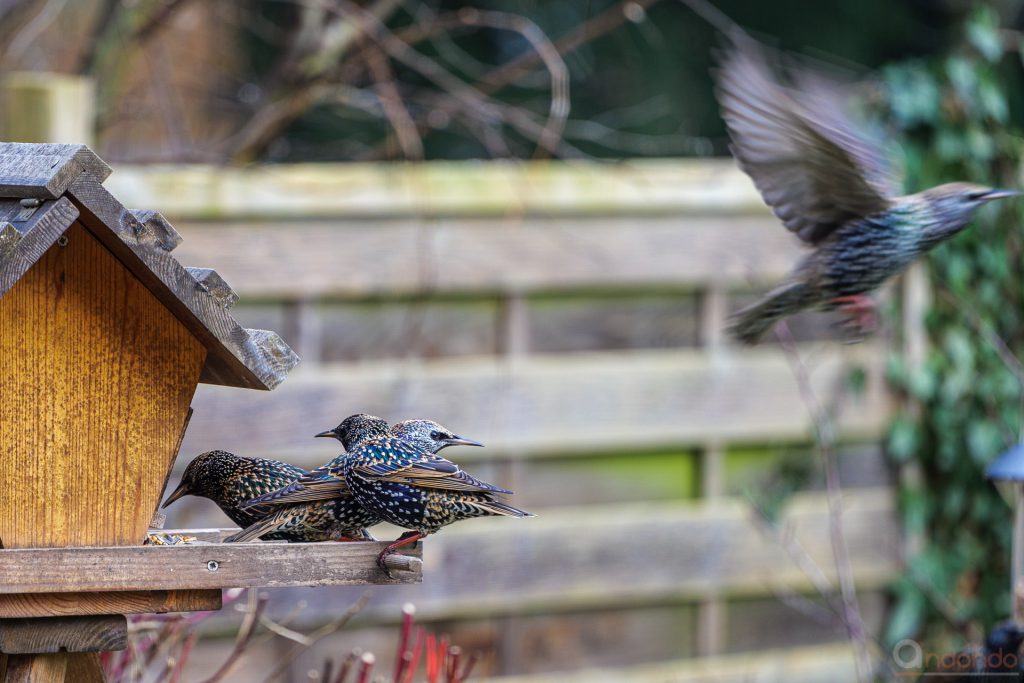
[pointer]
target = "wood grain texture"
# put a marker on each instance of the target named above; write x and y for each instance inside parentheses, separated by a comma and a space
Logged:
(215, 284)
(31, 238)
(99, 376)
(37, 668)
(69, 634)
(348, 258)
(46, 170)
(84, 667)
(194, 567)
(27, 605)
(546, 405)
(636, 188)
(156, 229)
(235, 357)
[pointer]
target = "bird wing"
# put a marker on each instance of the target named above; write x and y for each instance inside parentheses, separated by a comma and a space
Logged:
(315, 485)
(811, 165)
(406, 464)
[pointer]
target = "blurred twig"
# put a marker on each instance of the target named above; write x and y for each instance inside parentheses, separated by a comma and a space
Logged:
(824, 441)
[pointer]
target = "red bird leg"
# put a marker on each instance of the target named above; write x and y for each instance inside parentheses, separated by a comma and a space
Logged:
(345, 539)
(405, 539)
(861, 309)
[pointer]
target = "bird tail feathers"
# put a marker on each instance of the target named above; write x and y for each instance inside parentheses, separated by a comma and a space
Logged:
(496, 507)
(259, 529)
(748, 325)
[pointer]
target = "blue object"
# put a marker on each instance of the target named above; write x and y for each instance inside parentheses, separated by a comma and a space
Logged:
(1009, 466)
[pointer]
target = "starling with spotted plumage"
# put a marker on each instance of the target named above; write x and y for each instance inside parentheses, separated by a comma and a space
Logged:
(416, 490)
(829, 183)
(401, 479)
(333, 515)
(230, 480)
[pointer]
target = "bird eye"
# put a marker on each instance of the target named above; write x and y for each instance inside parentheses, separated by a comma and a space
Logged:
(435, 435)
(977, 195)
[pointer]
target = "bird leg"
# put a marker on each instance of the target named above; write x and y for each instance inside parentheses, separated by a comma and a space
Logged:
(862, 312)
(405, 539)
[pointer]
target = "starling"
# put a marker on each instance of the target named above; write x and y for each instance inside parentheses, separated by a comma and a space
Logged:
(830, 184)
(229, 481)
(414, 489)
(327, 481)
(334, 517)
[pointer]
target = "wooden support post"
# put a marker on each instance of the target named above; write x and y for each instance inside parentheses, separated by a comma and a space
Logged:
(63, 634)
(711, 613)
(46, 107)
(37, 668)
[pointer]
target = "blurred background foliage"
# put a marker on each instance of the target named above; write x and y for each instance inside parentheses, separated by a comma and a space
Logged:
(958, 115)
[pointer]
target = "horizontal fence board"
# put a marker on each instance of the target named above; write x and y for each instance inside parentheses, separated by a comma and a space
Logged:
(592, 558)
(403, 257)
(831, 663)
(629, 556)
(549, 404)
(646, 187)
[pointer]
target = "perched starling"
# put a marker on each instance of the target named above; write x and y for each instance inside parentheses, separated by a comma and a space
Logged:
(414, 489)
(328, 481)
(830, 184)
(334, 517)
(229, 481)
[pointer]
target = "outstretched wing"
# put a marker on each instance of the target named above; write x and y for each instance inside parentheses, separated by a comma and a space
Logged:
(811, 165)
(396, 461)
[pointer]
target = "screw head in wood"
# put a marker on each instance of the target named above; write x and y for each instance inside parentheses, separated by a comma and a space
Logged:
(212, 565)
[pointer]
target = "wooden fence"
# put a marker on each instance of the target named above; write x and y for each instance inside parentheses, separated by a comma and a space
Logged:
(570, 317)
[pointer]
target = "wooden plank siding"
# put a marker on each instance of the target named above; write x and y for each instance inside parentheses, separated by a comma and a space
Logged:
(493, 297)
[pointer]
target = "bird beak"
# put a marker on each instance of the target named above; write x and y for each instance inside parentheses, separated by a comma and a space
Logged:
(457, 440)
(329, 434)
(182, 490)
(999, 194)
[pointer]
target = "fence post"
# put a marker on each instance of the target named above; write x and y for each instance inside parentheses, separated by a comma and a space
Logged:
(47, 107)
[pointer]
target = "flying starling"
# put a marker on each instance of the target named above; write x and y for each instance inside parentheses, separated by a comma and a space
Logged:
(829, 183)
(336, 516)
(412, 488)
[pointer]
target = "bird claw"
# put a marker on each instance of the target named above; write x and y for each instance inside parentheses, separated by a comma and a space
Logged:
(861, 316)
(383, 566)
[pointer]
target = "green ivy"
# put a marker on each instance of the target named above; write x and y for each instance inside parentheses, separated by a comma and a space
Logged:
(955, 115)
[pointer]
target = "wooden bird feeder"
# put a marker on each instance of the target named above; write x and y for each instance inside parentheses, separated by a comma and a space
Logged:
(104, 337)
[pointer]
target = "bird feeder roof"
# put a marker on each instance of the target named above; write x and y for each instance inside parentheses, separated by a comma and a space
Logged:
(45, 188)
(1009, 466)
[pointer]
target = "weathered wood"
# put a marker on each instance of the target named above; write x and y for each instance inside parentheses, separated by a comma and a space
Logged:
(157, 229)
(24, 605)
(31, 238)
(194, 567)
(407, 256)
(47, 107)
(832, 663)
(31, 170)
(235, 358)
(84, 667)
(570, 404)
(636, 188)
(69, 634)
(214, 283)
(37, 668)
(115, 371)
